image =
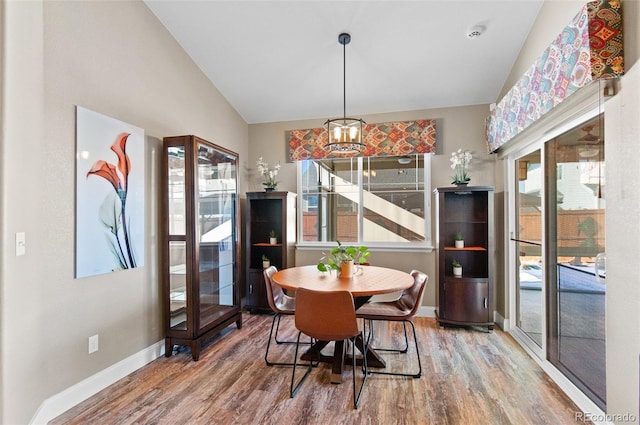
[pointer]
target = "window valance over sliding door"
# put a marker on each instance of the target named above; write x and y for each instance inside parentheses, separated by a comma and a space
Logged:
(385, 139)
(588, 49)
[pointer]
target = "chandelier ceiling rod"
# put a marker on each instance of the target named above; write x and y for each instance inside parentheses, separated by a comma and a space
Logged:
(344, 39)
(344, 134)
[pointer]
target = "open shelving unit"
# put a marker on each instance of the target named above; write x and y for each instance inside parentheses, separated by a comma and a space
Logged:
(465, 300)
(266, 212)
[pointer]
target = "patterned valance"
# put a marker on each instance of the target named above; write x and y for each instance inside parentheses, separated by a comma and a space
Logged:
(385, 139)
(589, 48)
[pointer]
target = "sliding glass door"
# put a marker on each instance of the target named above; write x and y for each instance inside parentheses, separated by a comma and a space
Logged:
(576, 238)
(558, 252)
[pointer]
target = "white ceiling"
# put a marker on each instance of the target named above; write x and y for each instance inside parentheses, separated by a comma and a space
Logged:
(281, 60)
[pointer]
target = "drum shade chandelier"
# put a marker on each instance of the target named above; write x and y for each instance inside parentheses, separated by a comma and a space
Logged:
(344, 134)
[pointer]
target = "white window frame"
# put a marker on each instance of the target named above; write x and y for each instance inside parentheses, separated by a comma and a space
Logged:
(423, 246)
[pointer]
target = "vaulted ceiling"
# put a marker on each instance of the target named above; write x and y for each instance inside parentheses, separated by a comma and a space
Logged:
(281, 60)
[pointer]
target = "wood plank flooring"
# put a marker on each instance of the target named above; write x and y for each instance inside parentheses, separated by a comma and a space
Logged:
(469, 377)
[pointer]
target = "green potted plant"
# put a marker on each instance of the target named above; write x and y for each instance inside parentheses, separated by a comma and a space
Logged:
(342, 258)
(272, 237)
(265, 262)
(457, 268)
(458, 240)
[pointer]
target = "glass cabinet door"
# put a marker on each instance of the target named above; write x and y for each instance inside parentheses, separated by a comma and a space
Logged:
(177, 242)
(216, 194)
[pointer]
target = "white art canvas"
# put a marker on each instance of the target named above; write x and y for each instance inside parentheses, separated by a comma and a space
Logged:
(109, 194)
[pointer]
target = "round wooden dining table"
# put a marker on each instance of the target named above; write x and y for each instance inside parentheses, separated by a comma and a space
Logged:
(367, 282)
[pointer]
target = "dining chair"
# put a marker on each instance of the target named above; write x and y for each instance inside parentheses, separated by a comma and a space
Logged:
(281, 304)
(402, 310)
(328, 316)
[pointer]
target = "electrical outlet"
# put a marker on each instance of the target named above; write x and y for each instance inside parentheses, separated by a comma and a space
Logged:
(93, 344)
(21, 243)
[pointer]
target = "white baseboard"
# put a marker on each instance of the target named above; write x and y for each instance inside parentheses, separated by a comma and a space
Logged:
(65, 400)
(500, 321)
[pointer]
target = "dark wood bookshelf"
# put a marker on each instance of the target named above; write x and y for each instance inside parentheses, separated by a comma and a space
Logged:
(465, 300)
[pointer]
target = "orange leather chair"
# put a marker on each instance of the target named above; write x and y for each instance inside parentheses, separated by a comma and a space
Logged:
(281, 304)
(327, 316)
(400, 310)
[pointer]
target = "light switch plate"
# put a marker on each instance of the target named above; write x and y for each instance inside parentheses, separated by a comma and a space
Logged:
(93, 344)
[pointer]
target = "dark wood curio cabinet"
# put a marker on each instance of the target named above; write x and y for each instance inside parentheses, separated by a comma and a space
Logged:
(466, 299)
(268, 214)
(200, 235)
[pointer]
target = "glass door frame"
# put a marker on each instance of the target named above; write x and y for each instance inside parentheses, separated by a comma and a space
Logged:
(512, 256)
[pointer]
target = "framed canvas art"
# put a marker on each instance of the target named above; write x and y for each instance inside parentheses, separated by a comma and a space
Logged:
(109, 194)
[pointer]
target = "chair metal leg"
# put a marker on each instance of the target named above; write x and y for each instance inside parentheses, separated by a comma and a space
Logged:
(294, 388)
(277, 329)
(365, 370)
(395, 350)
(266, 354)
(371, 336)
(415, 340)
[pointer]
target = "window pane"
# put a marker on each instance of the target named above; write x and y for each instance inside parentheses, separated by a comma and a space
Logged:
(393, 199)
(330, 200)
(391, 191)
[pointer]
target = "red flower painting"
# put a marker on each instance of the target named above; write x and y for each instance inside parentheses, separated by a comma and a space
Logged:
(113, 210)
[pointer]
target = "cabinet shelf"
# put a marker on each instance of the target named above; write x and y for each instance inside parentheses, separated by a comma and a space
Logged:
(267, 244)
(466, 248)
(466, 277)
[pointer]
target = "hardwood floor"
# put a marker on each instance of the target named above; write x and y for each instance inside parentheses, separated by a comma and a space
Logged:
(469, 377)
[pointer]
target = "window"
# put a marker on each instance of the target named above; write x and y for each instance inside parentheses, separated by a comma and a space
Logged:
(375, 201)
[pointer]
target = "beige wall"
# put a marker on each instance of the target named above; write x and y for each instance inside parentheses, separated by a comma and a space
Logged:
(461, 127)
(117, 59)
(622, 133)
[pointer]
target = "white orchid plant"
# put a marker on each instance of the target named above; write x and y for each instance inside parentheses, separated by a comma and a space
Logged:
(460, 161)
(268, 174)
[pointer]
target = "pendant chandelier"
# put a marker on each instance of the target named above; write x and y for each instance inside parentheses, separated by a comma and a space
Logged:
(344, 134)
